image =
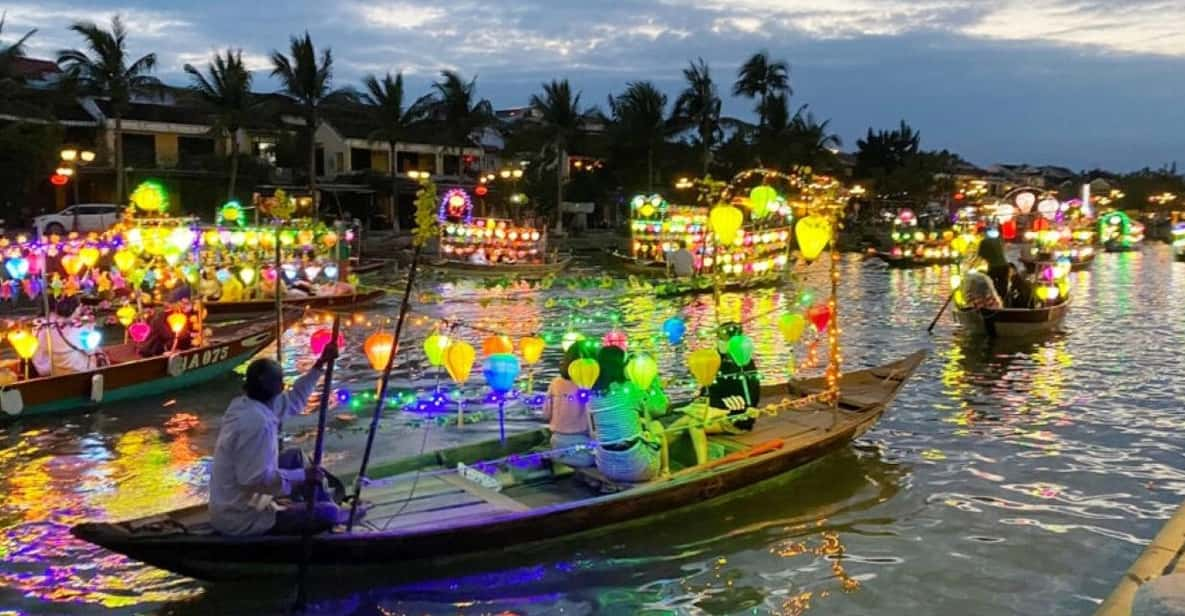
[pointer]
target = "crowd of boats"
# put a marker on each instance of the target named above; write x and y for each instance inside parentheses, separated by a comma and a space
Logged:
(181, 280)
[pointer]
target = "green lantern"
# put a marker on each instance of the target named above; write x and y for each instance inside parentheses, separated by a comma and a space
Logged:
(761, 198)
(740, 349)
(641, 371)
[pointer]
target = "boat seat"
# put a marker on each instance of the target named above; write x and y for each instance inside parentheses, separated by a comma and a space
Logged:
(593, 478)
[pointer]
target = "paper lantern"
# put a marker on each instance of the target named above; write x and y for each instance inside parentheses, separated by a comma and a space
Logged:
(760, 200)
(139, 331)
(641, 371)
(813, 233)
(311, 271)
(378, 348)
(124, 260)
(17, 268)
(125, 315)
(329, 239)
(434, 347)
(89, 256)
(704, 364)
(740, 349)
(320, 339)
(531, 349)
(176, 321)
(24, 343)
(71, 264)
(458, 361)
(500, 371)
(674, 328)
(247, 275)
(497, 345)
(90, 339)
(330, 271)
(615, 338)
(150, 197)
(820, 316)
(584, 372)
(290, 271)
(792, 326)
(305, 237)
(726, 220)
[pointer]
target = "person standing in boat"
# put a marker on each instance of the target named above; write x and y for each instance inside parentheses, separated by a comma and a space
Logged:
(991, 250)
(247, 475)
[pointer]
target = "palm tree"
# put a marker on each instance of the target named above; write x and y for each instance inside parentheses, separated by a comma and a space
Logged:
(107, 72)
(639, 115)
(10, 53)
(226, 90)
(385, 100)
(758, 77)
(699, 106)
(307, 79)
(454, 103)
(559, 116)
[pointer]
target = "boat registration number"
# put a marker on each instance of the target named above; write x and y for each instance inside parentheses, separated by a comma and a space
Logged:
(209, 356)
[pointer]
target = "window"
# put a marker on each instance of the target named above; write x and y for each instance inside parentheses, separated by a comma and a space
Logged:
(90, 210)
(360, 159)
(139, 150)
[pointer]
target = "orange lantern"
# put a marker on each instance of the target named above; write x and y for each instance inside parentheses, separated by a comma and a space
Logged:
(378, 349)
(177, 321)
(495, 345)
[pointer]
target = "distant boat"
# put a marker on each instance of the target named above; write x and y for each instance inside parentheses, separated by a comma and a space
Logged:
(1013, 322)
(437, 506)
(259, 306)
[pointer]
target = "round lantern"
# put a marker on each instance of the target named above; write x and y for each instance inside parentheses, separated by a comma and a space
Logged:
(500, 371)
(320, 339)
(792, 326)
(378, 348)
(531, 348)
(726, 220)
(497, 345)
(434, 347)
(704, 364)
(641, 371)
(584, 372)
(813, 233)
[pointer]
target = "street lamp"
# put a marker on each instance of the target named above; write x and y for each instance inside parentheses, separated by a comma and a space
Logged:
(71, 160)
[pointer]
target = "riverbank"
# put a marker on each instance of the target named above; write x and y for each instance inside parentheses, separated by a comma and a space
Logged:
(1155, 583)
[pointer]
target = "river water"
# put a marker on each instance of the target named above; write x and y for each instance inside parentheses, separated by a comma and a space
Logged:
(1007, 478)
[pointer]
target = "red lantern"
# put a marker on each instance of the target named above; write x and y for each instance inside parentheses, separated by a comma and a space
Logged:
(1008, 230)
(820, 316)
(320, 339)
(481, 190)
(58, 179)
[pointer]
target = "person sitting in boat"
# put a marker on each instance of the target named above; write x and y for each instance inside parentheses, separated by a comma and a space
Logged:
(628, 449)
(682, 262)
(478, 257)
(733, 381)
(301, 288)
(247, 475)
(208, 287)
(267, 288)
(567, 415)
(336, 288)
(991, 250)
(1020, 290)
(978, 292)
(60, 349)
(232, 290)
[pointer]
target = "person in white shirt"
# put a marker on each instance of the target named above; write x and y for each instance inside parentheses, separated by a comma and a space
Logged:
(60, 349)
(682, 262)
(246, 476)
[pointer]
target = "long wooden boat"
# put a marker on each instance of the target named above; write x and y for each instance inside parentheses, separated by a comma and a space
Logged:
(909, 261)
(366, 266)
(520, 270)
(428, 514)
(636, 266)
(1077, 264)
(1013, 322)
(704, 284)
(259, 306)
(129, 376)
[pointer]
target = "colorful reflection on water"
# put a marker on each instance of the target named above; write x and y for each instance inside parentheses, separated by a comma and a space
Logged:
(1010, 477)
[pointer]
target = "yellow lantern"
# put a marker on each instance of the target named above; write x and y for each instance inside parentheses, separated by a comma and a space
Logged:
(305, 237)
(458, 361)
(89, 256)
(24, 342)
(378, 349)
(329, 239)
(72, 264)
(125, 315)
(531, 348)
(584, 372)
(704, 364)
(726, 220)
(177, 322)
(124, 260)
(813, 233)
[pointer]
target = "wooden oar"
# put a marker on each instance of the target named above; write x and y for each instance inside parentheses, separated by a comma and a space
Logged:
(311, 487)
(942, 310)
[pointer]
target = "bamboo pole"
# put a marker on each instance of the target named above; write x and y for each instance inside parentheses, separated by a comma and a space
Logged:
(833, 356)
(310, 487)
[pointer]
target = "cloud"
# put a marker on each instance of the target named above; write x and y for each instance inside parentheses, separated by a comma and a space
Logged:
(1133, 26)
(397, 15)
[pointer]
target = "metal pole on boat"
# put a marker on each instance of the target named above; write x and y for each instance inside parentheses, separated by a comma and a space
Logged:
(318, 451)
(279, 303)
(45, 313)
(378, 405)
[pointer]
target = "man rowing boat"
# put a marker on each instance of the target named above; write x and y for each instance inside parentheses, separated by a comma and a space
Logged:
(247, 475)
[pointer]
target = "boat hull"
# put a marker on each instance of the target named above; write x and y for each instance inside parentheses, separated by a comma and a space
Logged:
(1076, 265)
(223, 309)
(1012, 322)
(635, 266)
(526, 270)
(132, 379)
(405, 553)
(911, 263)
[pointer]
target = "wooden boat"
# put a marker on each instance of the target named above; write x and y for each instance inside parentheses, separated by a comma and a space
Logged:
(909, 261)
(366, 266)
(1013, 322)
(427, 513)
(704, 284)
(1117, 246)
(259, 306)
(130, 376)
(1077, 264)
(519, 270)
(636, 266)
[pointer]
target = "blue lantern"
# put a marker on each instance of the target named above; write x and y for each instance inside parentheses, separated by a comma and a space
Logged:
(675, 329)
(500, 371)
(90, 340)
(17, 268)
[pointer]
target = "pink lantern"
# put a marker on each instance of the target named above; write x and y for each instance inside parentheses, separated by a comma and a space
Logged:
(139, 331)
(320, 339)
(615, 338)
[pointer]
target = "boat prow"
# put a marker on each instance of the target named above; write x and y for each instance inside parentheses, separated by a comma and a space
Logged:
(1013, 322)
(429, 513)
(261, 306)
